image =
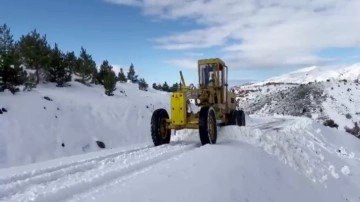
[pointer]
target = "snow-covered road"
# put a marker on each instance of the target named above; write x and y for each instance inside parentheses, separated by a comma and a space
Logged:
(272, 159)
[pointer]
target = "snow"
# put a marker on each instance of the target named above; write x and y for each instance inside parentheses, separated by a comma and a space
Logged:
(345, 170)
(336, 100)
(343, 99)
(274, 158)
(280, 158)
(34, 129)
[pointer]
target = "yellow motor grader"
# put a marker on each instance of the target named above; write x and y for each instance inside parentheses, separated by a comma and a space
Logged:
(218, 106)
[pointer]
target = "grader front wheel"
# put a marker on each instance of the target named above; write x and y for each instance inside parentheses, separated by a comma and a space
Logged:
(159, 132)
(207, 126)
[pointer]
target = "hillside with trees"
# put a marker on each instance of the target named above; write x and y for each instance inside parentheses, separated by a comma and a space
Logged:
(31, 60)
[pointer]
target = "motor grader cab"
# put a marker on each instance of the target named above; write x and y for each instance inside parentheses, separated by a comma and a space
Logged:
(217, 106)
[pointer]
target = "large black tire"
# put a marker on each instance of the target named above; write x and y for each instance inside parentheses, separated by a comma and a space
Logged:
(240, 116)
(237, 118)
(207, 126)
(232, 117)
(159, 132)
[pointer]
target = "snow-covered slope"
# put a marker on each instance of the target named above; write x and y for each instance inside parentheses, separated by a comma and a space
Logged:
(316, 73)
(336, 100)
(35, 129)
(272, 159)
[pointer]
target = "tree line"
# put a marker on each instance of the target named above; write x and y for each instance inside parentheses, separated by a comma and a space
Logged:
(165, 87)
(32, 60)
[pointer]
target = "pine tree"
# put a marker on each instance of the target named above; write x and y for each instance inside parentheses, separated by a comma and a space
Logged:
(142, 84)
(154, 86)
(85, 67)
(121, 76)
(94, 75)
(34, 50)
(165, 87)
(131, 75)
(57, 66)
(174, 87)
(110, 83)
(104, 69)
(157, 86)
(71, 63)
(6, 39)
(11, 74)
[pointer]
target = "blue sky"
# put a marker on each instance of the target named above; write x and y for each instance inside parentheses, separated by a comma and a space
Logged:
(162, 38)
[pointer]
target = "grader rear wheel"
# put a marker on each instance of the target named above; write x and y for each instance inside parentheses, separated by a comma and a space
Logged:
(241, 118)
(237, 118)
(159, 132)
(207, 126)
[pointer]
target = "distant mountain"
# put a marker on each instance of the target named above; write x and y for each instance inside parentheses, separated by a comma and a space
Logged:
(315, 73)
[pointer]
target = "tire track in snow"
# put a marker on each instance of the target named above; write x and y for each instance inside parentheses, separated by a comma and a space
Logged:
(16, 183)
(77, 178)
(48, 170)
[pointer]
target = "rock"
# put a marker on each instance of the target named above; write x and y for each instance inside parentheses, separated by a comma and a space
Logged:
(47, 98)
(63, 144)
(3, 109)
(331, 123)
(100, 144)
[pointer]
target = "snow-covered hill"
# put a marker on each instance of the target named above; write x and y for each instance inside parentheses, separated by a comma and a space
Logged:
(71, 121)
(321, 101)
(316, 73)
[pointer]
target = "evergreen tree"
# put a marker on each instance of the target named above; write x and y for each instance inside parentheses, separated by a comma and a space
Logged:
(71, 63)
(174, 87)
(11, 74)
(157, 86)
(154, 86)
(165, 87)
(94, 75)
(142, 84)
(121, 76)
(105, 68)
(110, 83)
(57, 65)
(132, 75)
(85, 67)
(6, 39)
(34, 51)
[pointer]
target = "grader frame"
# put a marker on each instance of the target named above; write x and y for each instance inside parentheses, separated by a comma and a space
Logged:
(217, 105)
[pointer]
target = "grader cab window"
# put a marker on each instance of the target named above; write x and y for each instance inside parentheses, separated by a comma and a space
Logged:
(207, 74)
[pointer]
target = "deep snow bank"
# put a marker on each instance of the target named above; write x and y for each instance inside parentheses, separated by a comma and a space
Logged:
(324, 155)
(319, 152)
(36, 129)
